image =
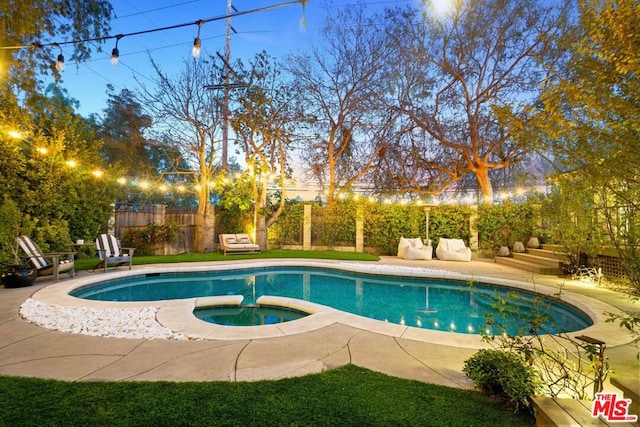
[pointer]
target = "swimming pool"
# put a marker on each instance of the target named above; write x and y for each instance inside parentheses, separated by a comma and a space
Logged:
(426, 303)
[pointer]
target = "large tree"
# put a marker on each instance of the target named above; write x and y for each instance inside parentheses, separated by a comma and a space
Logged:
(590, 118)
(125, 129)
(187, 112)
(65, 202)
(341, 81)
(29, 27)
(264, 121)
(461, 78)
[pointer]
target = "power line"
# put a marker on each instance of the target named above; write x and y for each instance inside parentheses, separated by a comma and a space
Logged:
(154, 30)
(157, 9)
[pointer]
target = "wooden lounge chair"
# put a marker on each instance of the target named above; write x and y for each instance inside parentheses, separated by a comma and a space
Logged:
(110, 252)
(60, 262)
(237, 243)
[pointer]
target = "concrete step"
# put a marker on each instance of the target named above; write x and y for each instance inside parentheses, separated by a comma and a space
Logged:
(536, 259)
(553, 247)
(529, 266)
(550, 253)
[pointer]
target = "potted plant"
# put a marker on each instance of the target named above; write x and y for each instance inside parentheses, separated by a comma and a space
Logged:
(16, 271)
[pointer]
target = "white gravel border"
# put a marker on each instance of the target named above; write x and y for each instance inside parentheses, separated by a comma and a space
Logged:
(133, 323)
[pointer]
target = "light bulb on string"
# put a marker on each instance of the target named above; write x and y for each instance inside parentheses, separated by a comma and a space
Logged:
(115, 53)
(197, 43)
(60, 60)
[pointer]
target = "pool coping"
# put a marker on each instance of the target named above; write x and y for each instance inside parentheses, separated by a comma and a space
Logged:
(178, 317)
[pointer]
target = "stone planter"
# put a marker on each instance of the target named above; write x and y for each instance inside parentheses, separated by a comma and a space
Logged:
(503, 251)
(533, 243)
(518, 247)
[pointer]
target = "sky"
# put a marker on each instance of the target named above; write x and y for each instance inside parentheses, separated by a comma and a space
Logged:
(278, 31)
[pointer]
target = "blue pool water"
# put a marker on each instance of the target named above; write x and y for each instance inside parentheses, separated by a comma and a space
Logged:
(453, 306)
(247, 315)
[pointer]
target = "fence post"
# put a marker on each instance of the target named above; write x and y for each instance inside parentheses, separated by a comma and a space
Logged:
(306, 228)
(113, 224)
(159, 212)
(473, 230)
(359, 230)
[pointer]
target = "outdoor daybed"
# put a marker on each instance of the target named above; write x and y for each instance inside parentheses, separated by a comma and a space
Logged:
(237, 243)
(452, 250)
(414, 249)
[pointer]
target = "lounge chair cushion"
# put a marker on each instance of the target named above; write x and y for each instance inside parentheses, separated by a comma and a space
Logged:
(237, 243)
(243, 239)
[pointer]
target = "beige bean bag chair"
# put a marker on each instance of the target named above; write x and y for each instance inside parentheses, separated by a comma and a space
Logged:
(452, 250)
(414, 249)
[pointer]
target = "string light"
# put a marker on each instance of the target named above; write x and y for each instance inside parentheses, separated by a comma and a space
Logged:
(115, 53)
(197, 44)
(249, 174)
(60, 61)
(14, 134)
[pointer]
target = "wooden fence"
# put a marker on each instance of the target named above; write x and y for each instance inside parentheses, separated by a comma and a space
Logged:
(130, 218)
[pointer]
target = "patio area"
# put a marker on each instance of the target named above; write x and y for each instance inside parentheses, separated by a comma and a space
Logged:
(33, 351)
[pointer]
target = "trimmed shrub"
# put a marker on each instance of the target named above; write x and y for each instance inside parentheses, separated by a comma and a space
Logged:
(503, 374)
(288, 229)
(334, 225)
(143, 239)
(504, 225)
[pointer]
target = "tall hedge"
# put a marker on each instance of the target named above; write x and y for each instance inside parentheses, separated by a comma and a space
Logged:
(504, 224)
(384, 224)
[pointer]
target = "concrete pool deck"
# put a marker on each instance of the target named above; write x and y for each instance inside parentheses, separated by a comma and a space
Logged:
(30, 350)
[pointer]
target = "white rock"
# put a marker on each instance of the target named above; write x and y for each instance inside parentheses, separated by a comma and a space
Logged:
(132, 323)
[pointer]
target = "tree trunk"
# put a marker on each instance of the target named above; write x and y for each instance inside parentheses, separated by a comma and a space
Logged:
(205, 225)
(261, 221)
(482, 175)
(261, 232)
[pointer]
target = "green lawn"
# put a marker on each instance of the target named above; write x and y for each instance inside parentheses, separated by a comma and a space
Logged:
(347, 396)
(89, 262)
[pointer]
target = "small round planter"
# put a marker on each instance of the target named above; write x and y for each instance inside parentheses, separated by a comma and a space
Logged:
(533, 243)
(518, 247)
(503, 251)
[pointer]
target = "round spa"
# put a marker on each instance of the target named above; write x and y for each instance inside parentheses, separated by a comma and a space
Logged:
(247, 315)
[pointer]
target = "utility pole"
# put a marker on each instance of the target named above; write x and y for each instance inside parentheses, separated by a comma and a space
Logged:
(225, 104)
